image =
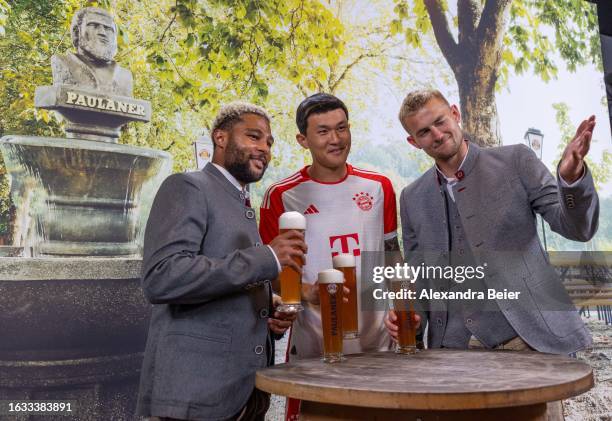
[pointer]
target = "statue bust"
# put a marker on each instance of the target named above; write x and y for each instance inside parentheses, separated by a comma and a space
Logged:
(94, 35)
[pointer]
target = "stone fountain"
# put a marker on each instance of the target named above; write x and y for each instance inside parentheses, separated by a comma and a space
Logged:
(73, 319)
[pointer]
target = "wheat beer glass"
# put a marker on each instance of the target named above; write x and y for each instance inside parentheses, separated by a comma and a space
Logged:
(331, 293)
(345, 263)
(406, 320)
(290, 279)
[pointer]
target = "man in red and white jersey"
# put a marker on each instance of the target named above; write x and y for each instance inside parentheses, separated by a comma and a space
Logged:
(348, 210)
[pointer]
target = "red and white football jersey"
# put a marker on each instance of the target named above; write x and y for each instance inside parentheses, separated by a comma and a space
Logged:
(353, 215)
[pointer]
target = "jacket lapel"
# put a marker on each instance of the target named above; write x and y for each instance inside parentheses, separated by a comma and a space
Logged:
(223, 181)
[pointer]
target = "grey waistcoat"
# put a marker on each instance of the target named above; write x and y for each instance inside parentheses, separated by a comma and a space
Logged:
(482, 319)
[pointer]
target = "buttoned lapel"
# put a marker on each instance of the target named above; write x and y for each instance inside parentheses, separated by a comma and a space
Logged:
(471, 204)
(434, 226)
(223, 181)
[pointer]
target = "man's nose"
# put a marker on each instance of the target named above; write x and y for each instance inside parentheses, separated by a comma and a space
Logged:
(264, 147)
(333, 136)
(437, 134)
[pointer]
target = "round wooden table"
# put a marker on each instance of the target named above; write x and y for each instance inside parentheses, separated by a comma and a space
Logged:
(431, 385)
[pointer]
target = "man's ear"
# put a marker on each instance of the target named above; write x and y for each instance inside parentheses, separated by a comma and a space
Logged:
(456, 113)
(220, 138)
(301, 139)
(413, 142)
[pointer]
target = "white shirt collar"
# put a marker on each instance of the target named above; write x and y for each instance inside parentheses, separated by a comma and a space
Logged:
(451, 179)
(230, 177)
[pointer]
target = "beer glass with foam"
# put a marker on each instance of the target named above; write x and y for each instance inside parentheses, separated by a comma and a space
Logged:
(290, 279)
(406, 320)
(345, 263)
(331, 292)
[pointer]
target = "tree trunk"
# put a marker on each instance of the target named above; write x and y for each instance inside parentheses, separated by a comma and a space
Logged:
(475, 59)
(478, 107)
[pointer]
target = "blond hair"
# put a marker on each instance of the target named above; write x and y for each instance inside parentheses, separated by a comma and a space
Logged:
(416, 100)
(231, 113)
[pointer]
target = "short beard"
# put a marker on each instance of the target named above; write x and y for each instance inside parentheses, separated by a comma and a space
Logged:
(97, 50)
(451, 154)
(237, 164)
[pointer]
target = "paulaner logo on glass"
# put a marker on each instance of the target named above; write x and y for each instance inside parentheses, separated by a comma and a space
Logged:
(413, 273)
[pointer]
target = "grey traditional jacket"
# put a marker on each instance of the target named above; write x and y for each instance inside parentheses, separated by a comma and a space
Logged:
(498, 197)
(207, 274)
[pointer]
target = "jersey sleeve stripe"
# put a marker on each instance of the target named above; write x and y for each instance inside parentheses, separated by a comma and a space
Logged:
(266, 198)
(390, 206)
(291, 178)
(268, 216)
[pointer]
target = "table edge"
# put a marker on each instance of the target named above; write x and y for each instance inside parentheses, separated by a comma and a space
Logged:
(426, 401)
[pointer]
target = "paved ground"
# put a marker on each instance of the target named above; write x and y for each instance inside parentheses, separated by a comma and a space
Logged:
(277, 405)
(595, 405)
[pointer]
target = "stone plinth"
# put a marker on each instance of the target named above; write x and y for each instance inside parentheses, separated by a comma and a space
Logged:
(73, 329)
(90, 114)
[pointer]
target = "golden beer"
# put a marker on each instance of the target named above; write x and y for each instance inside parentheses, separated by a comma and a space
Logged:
(290, 279)
(406, 320)
(350, 316)
(331, 293)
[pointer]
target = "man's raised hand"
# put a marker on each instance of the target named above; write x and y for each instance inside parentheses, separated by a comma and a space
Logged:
(571, 166)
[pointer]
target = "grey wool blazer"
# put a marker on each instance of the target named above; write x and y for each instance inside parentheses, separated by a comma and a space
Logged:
(206, 274)
(502, 191)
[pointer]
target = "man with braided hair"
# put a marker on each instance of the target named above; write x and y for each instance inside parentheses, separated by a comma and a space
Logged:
(208, 275)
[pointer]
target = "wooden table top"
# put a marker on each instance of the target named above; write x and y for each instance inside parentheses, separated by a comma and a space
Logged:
(432, 379)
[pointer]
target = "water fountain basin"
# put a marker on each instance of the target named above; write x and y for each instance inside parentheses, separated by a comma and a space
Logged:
(87, 194)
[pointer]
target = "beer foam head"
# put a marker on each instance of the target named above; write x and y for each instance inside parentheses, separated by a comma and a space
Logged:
(292, 221)
(344, 260)
(331, 276)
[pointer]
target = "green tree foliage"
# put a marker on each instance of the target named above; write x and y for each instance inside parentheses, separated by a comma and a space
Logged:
(4, 9)
(33, 31)
(484, 40)
(188, 57)
(246, 44)
(185, 56)
(373, 65)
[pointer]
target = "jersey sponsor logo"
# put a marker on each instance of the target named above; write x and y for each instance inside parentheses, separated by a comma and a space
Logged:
(363, 200)
(311, 209)
(349, 243)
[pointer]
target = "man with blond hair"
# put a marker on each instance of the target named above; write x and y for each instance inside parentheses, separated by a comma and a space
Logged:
(476, 207)
(208, 277)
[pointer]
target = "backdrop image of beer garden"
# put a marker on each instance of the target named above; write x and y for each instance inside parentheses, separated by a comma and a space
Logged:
(529, 73)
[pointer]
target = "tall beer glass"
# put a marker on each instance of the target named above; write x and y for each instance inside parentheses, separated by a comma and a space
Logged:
(345, 263)
(331, 293)
(290, 279)
(406, 320)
